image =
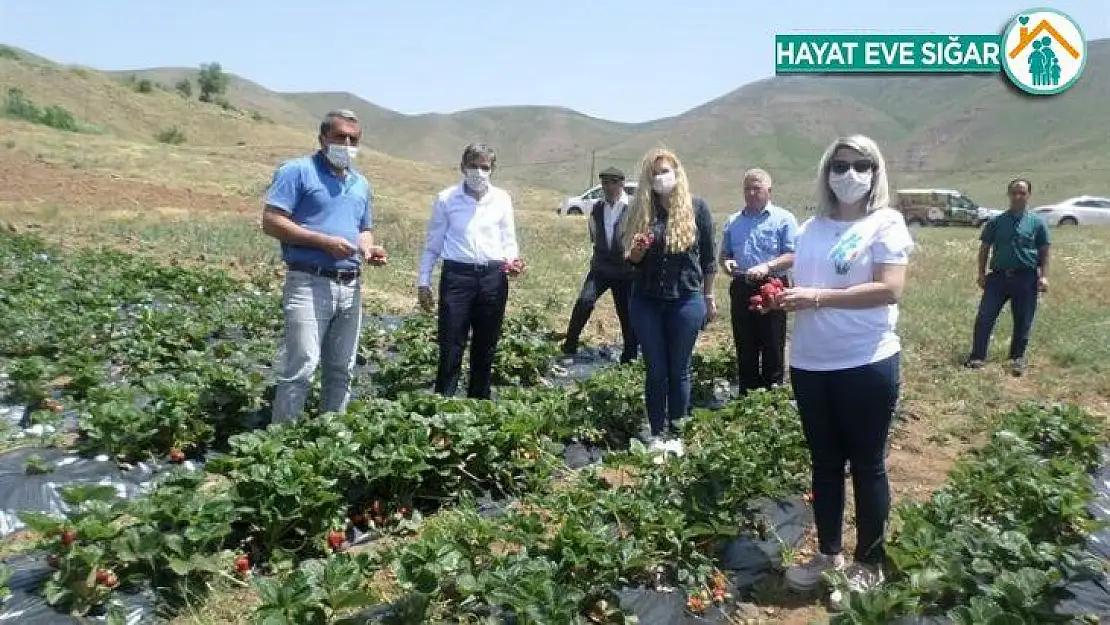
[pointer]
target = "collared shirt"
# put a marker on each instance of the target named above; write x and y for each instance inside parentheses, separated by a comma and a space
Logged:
(1016, 239)
(466, 230)
(661, 274)
(612, 214)
(316, 198)
(752, 240)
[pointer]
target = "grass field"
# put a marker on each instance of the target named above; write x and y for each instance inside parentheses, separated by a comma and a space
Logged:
(201, 205)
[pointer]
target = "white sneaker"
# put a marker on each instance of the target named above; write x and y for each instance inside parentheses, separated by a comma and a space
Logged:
(807, 576)
(674, 446)
(860, 578)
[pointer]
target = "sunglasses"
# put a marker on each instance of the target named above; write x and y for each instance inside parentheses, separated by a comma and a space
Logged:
(861, 166)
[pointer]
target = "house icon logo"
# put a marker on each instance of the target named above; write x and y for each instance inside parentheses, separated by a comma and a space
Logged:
(1044, 51)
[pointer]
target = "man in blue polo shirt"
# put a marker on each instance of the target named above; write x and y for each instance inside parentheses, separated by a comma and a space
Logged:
(320, 209)
(1016, 243)
(758, 245)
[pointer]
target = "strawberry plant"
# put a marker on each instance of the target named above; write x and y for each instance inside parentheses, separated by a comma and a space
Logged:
(84, 576)
(317, 592)
(989, 550)
(611, 400)
(5, 582)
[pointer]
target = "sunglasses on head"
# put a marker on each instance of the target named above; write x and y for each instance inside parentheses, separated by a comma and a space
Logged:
(861, 166)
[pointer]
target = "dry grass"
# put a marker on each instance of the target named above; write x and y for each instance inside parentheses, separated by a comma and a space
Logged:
(200, 204)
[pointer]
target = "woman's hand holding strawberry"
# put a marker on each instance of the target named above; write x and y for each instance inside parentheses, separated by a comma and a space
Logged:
(641, 241)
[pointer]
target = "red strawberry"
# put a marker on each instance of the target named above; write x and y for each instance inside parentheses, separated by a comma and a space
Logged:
(177, 456)
(242, 564)
(69, 536)
(106, 578)
(777, 282)
(336, 539)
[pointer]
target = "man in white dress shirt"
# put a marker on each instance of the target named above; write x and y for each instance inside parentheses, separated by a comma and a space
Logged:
(472, 230)
(608, 268)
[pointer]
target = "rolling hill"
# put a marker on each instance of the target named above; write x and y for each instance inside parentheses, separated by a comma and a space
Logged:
(967, 131)
(971, 132)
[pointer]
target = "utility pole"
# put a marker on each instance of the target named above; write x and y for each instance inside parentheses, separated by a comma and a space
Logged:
(593, 165)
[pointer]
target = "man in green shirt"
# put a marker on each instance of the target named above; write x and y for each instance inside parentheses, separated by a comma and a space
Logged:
(1016, 242)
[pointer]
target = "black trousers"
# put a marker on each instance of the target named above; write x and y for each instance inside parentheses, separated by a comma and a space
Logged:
(760, 339)
(592, 289)
(472, 299)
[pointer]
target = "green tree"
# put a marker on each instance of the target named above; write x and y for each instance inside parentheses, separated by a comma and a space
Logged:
(184, 87)
(212, 81)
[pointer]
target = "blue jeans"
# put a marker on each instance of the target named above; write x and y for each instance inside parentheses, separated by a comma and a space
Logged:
(1020, 289)
(846, 417)
(322, 323)
(667, 331)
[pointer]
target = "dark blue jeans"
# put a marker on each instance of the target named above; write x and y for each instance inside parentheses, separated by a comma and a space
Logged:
(1020, 289)
(846, 417)
(667, 331)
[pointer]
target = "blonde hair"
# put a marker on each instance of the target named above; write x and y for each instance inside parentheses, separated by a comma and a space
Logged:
(681, 229)
(877, 197)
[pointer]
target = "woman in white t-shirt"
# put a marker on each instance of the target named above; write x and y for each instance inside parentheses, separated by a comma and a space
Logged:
(849, 270)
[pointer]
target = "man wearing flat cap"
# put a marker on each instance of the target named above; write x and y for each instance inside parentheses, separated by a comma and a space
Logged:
(609, 271)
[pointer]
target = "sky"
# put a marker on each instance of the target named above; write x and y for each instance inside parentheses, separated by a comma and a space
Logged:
(622, 60)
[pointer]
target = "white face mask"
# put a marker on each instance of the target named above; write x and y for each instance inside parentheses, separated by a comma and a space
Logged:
(341, 155)
(850, 186)
(477, 179)
(663, 183)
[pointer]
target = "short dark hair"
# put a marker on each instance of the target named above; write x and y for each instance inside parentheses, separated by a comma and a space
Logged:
(1017, 181)
(478, 150)
(331, 116)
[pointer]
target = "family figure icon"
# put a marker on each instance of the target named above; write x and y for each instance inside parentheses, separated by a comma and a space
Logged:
(1044, 67)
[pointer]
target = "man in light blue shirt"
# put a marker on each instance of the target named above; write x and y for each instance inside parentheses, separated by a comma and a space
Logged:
(758, 246)
(320, 209)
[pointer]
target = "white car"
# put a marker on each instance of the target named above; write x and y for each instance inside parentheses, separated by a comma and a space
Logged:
(987, 214)
(1083, 210)
(581, 204)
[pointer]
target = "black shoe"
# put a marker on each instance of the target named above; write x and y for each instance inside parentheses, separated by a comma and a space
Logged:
(973, 363)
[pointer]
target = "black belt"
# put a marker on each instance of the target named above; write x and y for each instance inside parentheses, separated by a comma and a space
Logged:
(480, 268)
(1015, 272)
(339, 275)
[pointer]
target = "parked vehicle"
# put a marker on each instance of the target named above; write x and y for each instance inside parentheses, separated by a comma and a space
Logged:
(1083, 210)
(942, 207)
(580, 204)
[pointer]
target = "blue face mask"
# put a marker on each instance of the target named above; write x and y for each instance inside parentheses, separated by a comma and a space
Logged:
(341, 155)
(477, 179)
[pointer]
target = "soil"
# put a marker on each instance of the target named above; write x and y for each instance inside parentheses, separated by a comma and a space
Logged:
(27, 179)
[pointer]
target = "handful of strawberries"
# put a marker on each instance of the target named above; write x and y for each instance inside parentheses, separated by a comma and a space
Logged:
(768, 296)
(643, 240)
(515, 265)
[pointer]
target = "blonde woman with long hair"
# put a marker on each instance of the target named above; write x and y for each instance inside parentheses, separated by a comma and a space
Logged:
(849, 270)
(670, 240)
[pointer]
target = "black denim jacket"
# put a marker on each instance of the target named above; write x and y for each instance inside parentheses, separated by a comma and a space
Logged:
(663, 275)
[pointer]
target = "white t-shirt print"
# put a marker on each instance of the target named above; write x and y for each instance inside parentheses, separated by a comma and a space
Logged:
(831, 339)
